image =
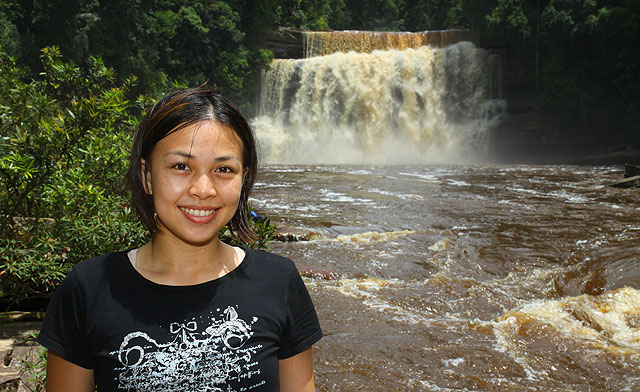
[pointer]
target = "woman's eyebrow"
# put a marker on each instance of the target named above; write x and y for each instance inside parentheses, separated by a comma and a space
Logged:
(226, 158)
(191, 156)
(180, 153)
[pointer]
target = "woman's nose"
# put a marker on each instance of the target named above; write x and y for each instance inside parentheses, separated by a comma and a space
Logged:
(203, 187)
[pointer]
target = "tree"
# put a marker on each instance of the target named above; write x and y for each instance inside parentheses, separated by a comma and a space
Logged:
(426, 15)
(586, 49)
(161, 42)
(378, 15)
(9, 36)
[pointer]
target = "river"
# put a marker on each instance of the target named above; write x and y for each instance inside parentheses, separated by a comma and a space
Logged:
(465, 278)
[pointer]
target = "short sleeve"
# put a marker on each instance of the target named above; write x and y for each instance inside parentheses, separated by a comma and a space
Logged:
(62, 328)
(303, 328)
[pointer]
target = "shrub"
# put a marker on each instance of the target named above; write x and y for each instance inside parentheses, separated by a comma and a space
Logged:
(64, 141)
(261, 226)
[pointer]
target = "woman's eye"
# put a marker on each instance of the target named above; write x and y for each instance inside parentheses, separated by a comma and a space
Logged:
(225, 169)
(181, 166)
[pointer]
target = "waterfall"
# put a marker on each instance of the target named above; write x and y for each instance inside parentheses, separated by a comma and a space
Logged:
(421, 104)
(321, 43)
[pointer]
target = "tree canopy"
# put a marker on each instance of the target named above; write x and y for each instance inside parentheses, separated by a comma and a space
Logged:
(575, 52)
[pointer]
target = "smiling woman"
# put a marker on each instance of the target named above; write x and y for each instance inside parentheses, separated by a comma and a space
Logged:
(195, 177)
(172, 114)
(185, 312)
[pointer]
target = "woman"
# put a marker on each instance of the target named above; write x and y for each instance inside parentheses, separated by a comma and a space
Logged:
(185, 312)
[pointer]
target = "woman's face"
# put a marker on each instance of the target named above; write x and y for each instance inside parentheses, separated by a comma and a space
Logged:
(196, 179)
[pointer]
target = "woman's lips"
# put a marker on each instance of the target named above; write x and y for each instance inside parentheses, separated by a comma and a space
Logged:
(198, 212)
(199, 215)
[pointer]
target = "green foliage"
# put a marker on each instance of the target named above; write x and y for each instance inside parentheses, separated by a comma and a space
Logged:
(36, 368)
(577, 54)
(511, 16)
(584, 52)
(44, 123)
(31, 269)
(64, 147)
(9, 36)
(377, 15)
(308, 15)
(162, 42)
(184, 42)
(426, 15)
(263, 229)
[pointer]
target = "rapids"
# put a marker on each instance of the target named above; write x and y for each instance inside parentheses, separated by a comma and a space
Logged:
(465, 278)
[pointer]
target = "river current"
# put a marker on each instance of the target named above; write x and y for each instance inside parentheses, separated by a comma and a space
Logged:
(465, 278)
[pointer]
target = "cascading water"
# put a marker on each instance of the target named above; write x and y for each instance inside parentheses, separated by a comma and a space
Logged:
(418, 105)
(321, 43)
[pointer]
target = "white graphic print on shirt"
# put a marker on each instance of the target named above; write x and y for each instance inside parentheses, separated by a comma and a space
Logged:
(194, 361)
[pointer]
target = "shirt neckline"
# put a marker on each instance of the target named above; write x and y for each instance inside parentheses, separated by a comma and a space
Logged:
(129, 268)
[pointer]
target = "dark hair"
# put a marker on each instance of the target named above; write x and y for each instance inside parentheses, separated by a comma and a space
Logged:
(173, 112)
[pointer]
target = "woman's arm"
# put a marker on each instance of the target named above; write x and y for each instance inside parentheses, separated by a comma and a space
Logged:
(296, 373)
(65, 376)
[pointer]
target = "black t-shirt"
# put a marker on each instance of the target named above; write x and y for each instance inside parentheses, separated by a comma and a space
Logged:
(224, 335)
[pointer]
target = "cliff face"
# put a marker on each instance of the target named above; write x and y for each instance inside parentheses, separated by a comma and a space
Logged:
(286, 43)
(532, 134)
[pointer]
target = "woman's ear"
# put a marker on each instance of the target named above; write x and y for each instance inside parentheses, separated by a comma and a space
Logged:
(244, 175)
(146, 177)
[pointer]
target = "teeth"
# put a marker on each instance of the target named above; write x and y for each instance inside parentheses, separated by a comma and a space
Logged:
(197, 212)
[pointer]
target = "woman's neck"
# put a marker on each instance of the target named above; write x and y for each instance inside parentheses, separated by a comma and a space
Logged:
(168, 261)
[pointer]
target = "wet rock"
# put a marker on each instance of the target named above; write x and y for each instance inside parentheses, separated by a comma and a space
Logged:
(630, 182)
(294, 234)
(631, 170)
(320, 274)
(9, 386)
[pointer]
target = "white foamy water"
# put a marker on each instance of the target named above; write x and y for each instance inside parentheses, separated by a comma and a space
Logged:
(423, 105)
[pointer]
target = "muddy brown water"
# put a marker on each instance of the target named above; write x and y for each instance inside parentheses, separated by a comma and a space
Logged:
(465, 278)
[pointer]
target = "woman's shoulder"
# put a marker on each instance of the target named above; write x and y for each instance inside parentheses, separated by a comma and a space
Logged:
(267, 259)
(97, 266)
(266, 255)
(269, 264)
(92, 275)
